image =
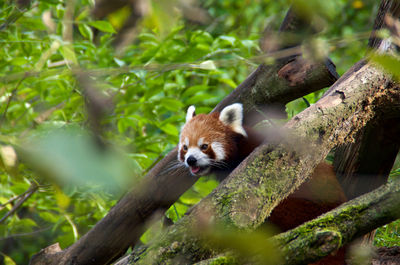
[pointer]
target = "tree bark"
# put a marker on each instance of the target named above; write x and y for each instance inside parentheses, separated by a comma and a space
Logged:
(122, 227)
(246, 198)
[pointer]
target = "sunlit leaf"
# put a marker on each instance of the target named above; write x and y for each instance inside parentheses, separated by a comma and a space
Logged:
(170, 129)
(389, 63)
(86, 31)
(7, 260)
(102, 25)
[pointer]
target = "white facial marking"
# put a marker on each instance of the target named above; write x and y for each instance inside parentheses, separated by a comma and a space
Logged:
(202, 159)
(232, 116)
(200, 141)
(219, 151)
(190, 113)
(186, 141)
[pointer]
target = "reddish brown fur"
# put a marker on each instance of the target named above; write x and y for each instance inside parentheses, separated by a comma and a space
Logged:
(211, 129)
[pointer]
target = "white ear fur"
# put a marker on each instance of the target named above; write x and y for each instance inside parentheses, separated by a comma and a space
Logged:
(232, 116)
(190, 113)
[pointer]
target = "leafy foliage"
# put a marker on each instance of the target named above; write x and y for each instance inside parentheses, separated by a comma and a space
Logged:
(151, 84)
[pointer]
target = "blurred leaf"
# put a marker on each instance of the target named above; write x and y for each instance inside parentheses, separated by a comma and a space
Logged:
(8, 157)
(254, 245)
(69, 54)
(170, 129)
(49, 216)
(7, 260)
(102, 25)
(171, 104)
(62, 200)
(206, 65)
(389, 63)
(70, 156)
(86, 31)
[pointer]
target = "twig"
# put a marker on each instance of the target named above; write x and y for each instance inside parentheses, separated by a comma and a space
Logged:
(34, 187)
(9, 100)
(13, 199)
(28, 233)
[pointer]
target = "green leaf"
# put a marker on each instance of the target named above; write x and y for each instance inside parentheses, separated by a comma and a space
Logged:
(86, 31)
(170, 129)
(102, 25)
(194, 89)
(49, 216)
(171, 104)
(7, 260)
(69, 54)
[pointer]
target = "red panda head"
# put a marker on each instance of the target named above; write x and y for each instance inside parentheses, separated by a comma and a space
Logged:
(211, 141)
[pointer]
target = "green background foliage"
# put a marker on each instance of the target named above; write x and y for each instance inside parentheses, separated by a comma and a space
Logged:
(151, 83)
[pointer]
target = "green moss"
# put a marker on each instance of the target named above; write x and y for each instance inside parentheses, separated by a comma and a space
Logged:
(221, 260)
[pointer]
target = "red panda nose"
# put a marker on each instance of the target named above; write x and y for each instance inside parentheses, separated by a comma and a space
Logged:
(191, 161)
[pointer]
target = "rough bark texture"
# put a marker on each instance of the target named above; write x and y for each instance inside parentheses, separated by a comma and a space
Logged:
(365, 164)
(246, 198)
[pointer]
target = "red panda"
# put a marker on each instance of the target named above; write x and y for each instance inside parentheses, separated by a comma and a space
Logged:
(218, 142)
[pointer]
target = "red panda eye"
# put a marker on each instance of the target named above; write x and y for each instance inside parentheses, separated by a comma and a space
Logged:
(185, 147)
(204, 146)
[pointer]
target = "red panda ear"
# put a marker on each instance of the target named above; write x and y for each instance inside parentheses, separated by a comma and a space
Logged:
(190, 113)
(232, 116)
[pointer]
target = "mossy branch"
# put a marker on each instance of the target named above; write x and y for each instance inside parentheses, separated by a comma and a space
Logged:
(347, 222)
